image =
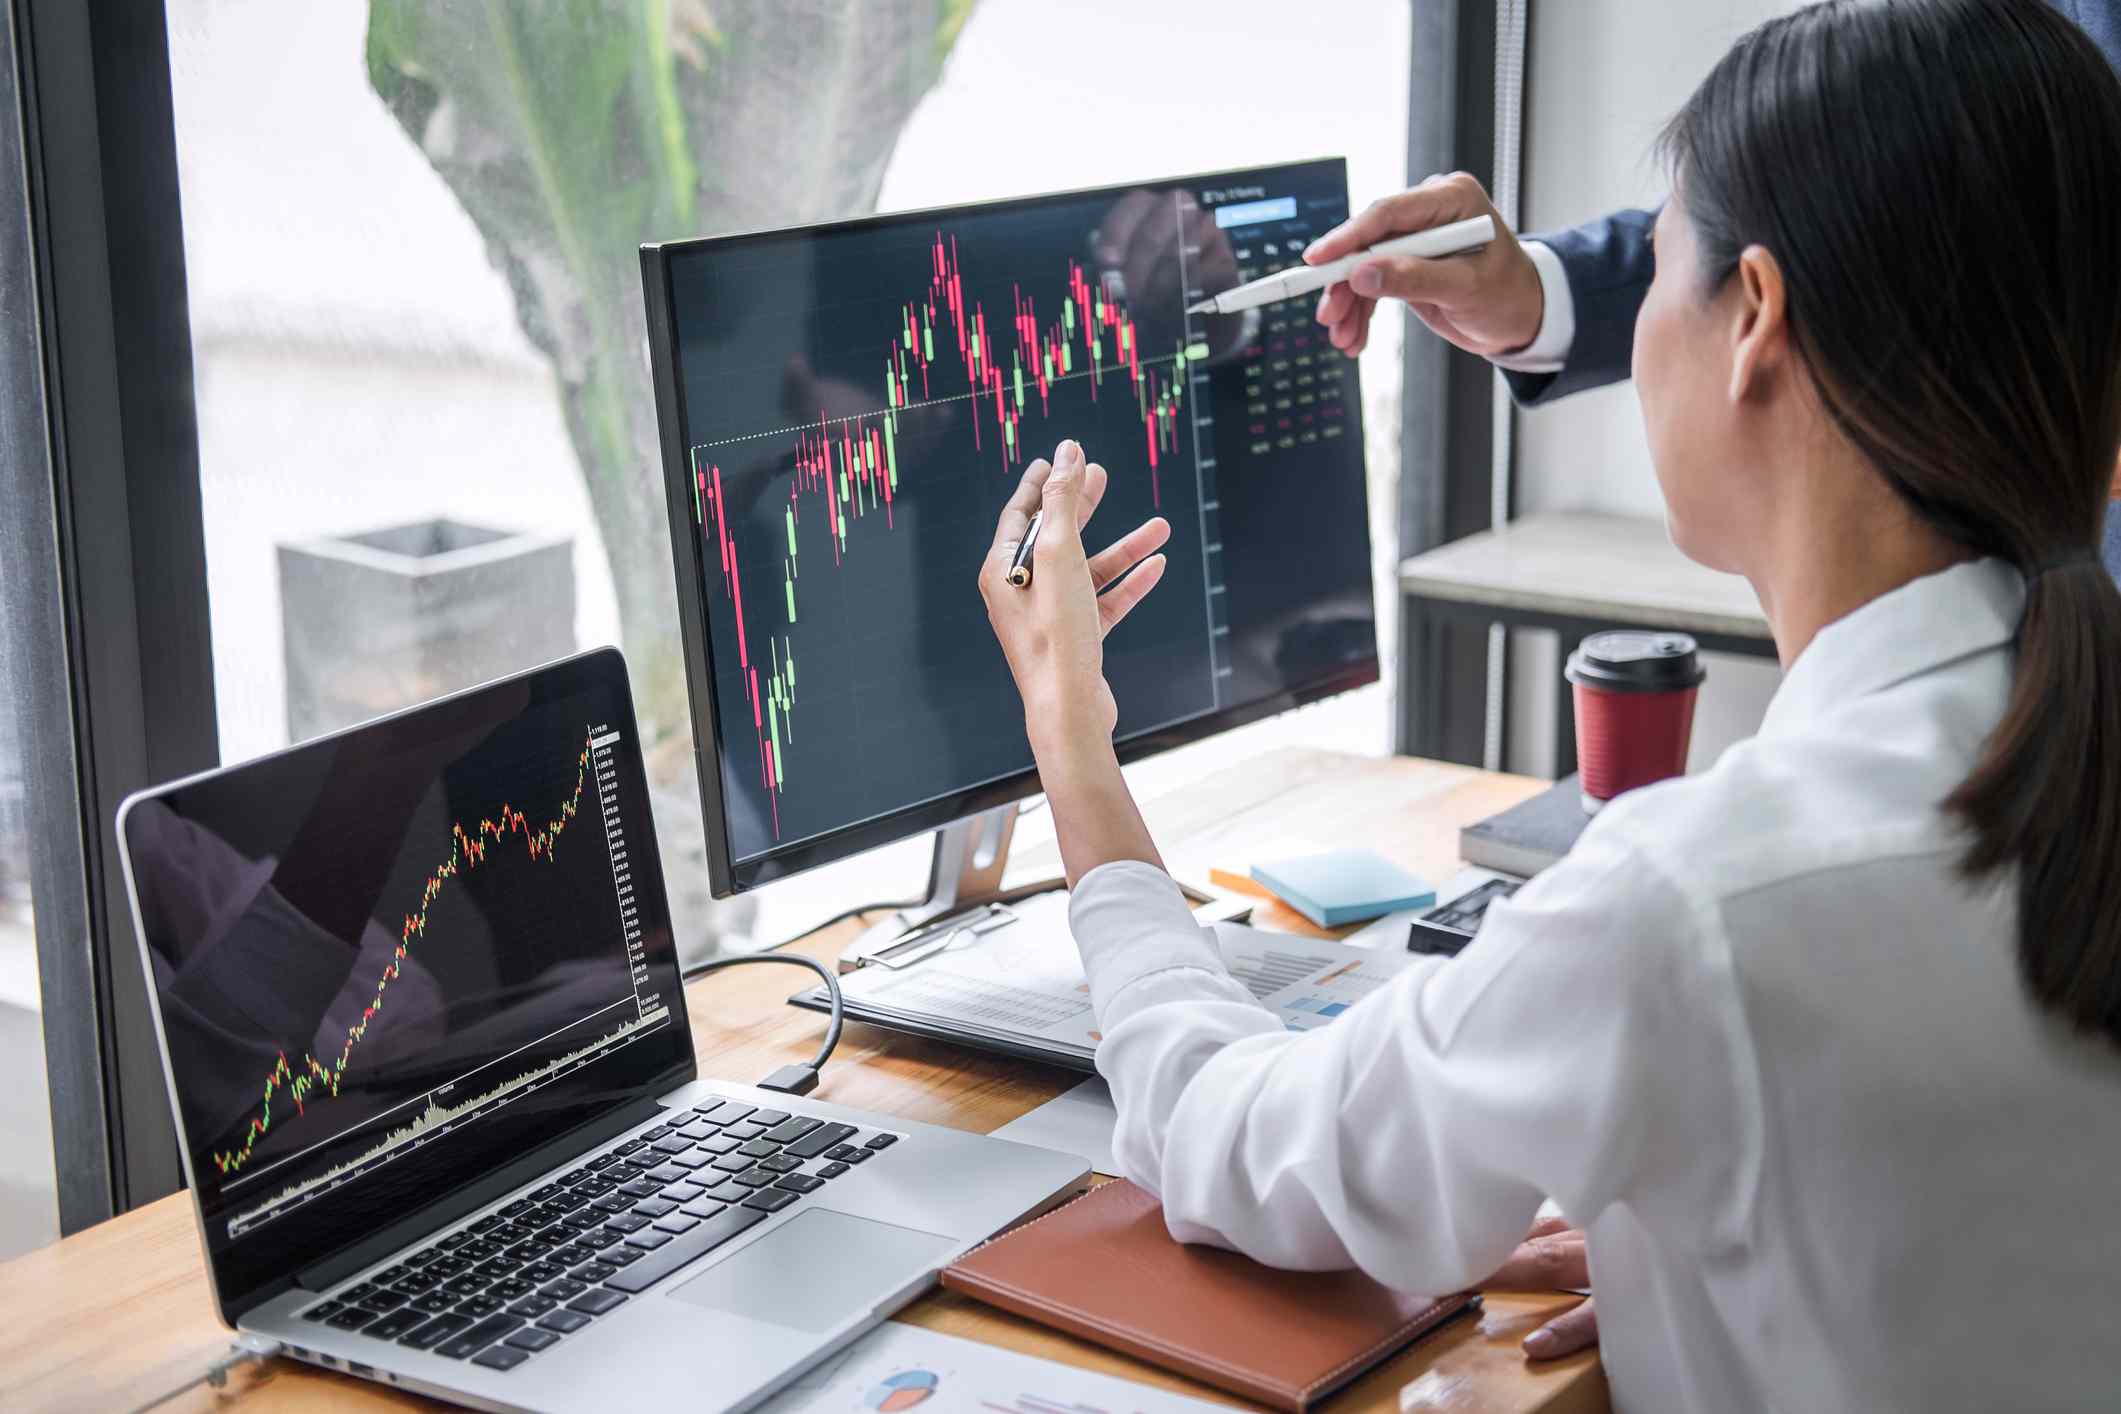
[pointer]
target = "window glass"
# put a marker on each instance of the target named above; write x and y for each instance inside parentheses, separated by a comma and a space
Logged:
(29, 1201)
(427, 440)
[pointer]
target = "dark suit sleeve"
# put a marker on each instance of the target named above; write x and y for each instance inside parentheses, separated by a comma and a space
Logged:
(2101, 19)
(1609, 263)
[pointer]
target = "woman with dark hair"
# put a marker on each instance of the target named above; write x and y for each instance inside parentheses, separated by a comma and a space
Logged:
(1821, 1048)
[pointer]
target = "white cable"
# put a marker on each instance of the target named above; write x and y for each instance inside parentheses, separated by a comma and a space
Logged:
(242, 1351)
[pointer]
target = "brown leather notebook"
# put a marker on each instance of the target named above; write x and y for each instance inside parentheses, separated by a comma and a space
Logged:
(1104, 1267)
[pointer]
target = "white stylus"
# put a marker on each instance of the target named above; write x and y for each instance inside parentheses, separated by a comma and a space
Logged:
(1458, 237)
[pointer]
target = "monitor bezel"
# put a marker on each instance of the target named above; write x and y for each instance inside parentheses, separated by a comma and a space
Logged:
(726, 875)
(232, 1304)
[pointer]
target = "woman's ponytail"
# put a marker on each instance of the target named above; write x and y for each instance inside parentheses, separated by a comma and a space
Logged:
(2046, 796)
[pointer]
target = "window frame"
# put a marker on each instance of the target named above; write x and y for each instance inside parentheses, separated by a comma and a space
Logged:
(104, 455)
(1450, 419)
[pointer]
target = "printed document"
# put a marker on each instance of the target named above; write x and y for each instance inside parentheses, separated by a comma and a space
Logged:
(898, 1367)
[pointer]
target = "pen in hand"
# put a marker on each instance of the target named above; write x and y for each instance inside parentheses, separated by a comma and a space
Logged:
(1020, 563)
(1431, 244)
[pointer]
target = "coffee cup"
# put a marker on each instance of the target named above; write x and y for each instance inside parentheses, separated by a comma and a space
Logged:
(1634, 696)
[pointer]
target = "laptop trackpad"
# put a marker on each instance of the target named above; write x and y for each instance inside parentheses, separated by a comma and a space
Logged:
(815, 1272)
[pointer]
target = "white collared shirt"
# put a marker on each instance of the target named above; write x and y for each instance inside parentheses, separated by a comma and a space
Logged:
(1753, 1034)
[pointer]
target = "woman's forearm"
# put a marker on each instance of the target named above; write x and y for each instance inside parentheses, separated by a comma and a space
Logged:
(1095, 819)
(1051, 626)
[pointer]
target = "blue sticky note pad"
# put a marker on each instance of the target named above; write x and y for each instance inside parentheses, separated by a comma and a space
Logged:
(1344, 886)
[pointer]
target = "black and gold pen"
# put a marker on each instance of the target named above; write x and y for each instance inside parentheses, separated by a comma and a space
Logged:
(1020, 566)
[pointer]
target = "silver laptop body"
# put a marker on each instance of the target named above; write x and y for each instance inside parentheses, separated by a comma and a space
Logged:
(468, 1153)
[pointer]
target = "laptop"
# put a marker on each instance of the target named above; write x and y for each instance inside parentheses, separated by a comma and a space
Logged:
(420, 1008)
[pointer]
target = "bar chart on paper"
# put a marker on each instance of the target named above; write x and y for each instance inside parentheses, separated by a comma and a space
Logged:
(1316, 1001)
(899, 1367)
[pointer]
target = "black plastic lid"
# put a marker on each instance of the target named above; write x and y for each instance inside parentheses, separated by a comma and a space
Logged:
(1629, 660)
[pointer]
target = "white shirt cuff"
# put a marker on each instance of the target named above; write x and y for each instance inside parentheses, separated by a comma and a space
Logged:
(1549, 350)
(1131, 921)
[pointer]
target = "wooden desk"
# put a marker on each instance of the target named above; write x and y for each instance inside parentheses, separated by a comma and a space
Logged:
(112, 1317)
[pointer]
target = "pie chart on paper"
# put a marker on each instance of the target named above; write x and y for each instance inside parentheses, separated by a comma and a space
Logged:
(903, 1390)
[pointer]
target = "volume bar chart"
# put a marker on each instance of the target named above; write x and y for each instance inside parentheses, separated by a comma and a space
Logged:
(438, 1117)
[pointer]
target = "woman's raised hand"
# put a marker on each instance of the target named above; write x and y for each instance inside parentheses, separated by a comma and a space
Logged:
(1052, 630)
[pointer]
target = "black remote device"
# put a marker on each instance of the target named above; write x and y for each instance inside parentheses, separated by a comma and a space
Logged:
(1448, 927)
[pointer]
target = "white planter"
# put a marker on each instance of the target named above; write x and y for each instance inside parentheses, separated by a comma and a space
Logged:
(381, 620)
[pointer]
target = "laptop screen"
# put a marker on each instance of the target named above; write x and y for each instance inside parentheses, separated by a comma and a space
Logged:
(391, 961)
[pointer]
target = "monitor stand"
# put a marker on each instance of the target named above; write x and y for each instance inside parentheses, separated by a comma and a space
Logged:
(966, 875)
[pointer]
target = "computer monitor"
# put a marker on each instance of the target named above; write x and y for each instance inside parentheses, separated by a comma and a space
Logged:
(844, 408)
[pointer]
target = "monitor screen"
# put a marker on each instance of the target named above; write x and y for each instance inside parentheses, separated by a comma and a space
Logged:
(844, 409)
(390, 961)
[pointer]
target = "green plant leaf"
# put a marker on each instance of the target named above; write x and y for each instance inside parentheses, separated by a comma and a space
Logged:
(574, 130)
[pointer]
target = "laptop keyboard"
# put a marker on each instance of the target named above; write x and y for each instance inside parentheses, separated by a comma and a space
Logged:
(546, 1265)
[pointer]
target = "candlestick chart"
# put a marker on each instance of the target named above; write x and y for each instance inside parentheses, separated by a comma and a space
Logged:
(938, 346)
(390, 961)
(297, 1083)
(847, 407)
(554, 903)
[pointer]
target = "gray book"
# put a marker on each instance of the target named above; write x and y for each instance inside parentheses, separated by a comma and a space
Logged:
(1530, 835)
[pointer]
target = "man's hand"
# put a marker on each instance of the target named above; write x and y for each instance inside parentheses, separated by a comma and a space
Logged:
(1552, 1258)
(1487, 302)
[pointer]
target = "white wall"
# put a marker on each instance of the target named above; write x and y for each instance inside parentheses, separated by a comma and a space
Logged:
(1601, 78)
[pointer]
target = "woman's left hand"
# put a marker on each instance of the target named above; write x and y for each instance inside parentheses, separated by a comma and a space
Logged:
(1552, 1258)
(1052, 630)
